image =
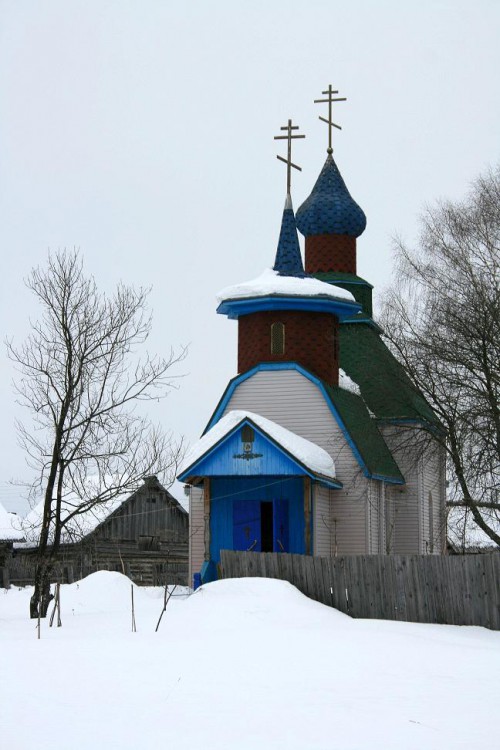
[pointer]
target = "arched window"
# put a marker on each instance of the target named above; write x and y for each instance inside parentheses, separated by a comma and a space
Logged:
(277, 338)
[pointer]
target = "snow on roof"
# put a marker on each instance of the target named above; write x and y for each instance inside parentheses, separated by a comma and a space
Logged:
(347, 384)
(9, 526)
(270, 282)
(314, 458)
(79, 526)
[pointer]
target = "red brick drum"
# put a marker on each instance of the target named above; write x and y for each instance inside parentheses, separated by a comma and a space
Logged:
(330, 252)
(311, 340)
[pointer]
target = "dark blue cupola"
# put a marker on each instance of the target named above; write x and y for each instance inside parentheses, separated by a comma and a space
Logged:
(288, 261)
(331, 220)
(330, 209)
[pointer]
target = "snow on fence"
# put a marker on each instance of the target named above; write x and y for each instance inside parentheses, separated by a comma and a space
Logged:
(453, 590)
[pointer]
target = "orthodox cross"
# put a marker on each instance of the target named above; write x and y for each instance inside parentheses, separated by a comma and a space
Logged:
(329, 93)
(288, 161)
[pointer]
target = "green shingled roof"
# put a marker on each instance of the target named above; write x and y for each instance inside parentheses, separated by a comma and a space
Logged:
(359, 288)
(386, 389)
(364, 434)
(331, 276)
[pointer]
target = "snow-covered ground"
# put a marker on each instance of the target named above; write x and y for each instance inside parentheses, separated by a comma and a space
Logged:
(247, 663)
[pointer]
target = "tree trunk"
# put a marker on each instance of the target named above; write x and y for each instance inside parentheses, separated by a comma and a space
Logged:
(41, 598)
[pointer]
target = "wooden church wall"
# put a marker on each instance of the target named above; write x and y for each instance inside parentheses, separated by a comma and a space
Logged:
(340, 523)
(433, 501)
(225, 491)
(196, 532)
(405, 528)
(375, 518)
(287, 397)
(421, 466)
(322, 523)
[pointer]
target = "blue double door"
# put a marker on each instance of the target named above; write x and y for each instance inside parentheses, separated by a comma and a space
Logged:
(261, 525)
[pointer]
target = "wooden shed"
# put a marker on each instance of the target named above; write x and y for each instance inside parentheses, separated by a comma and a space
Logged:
(144, 536)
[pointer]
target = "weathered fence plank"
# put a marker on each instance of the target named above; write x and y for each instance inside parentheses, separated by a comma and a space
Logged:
(461, 590)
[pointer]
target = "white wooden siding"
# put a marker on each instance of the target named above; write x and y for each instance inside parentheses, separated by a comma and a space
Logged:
(376, 518)
(382, 520)
(196, 532)
(322, 531)
(349, 524)
(292, 400)
(404, 530)
(432, 483)
(389, 520)
(421, 464)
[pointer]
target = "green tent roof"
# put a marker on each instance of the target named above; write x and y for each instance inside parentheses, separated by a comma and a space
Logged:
(386, 389)
(364, 433)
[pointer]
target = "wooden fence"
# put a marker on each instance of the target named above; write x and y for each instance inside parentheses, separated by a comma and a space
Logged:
(456, 590)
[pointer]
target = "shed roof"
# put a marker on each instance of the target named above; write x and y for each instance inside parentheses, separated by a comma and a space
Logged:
(10, 528)
(84, 523)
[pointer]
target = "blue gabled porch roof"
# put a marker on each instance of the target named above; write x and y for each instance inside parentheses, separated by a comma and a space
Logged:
(350, 413)
(229, 456)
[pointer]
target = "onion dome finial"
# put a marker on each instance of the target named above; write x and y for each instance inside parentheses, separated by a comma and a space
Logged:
(330, 209)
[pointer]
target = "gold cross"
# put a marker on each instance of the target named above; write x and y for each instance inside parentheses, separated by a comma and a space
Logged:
(288, 161)
(329, 92)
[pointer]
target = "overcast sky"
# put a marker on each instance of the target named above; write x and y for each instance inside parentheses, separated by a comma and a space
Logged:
(141, 132)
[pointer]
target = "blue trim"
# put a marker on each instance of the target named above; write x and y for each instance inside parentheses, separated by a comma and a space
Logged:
(266, 366)
(234, 308)
(191, 470)
(208, 572)
(387, 480)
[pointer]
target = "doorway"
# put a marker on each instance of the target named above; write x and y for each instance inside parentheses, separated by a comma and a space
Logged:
(261, 525)
(266, 526)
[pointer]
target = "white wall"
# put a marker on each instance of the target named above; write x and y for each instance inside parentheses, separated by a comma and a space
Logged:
(292, 400)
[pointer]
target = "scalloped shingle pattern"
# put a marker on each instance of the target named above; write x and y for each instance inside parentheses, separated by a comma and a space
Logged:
(288, 260)
(330, 208)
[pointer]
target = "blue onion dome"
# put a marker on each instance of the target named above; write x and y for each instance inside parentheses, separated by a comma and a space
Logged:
(288, 260)
(330, 208)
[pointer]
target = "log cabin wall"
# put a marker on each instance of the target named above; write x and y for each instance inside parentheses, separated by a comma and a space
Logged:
(146, 538)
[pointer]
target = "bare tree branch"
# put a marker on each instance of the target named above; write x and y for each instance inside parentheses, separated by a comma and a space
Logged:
(442, 319)
(80, 378)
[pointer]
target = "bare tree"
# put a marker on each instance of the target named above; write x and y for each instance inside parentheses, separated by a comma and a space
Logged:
(442, 319)
(81, 379)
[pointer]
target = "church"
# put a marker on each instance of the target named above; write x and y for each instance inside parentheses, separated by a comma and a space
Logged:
(319, 445)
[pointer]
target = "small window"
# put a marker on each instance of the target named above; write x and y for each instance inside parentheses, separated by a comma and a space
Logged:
(277, 338)
(247, 434)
